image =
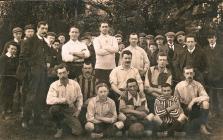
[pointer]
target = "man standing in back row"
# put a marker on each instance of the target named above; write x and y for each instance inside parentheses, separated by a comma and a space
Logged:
(33, 59)
(74, 52)
(105, 48)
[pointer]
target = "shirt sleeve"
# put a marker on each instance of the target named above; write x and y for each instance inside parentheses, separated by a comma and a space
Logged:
(52, 97)
(203, 96)
(176, 112)
(159, 108)
(79, 102)
(146, 61)
(122, 104)
(113, 48)
(113, 77)
(90, 111)
(176, 92)
(86, 51)
(169, 80)
(66, 56)
(114, 112)
(98, 48)
(139, 81)
(147, 82)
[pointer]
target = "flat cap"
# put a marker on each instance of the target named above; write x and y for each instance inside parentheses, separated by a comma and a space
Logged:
(149, 36)
(29, 26)
(142, 35)
(170, 34)
(180, 33)
(51, 34)
(159, 37)
(16, 29)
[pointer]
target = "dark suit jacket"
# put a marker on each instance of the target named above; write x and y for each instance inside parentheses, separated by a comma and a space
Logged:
(199, 60)
(32, 57)
(173, 60)
(215, 65)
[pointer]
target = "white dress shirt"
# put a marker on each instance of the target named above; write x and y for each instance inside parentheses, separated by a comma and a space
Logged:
(105, 48)
(71, 47)
(140, 59)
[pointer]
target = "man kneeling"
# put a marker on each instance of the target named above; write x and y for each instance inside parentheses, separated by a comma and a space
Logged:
(133, 110)
(169, 114)
(101, 114)
(66, 100)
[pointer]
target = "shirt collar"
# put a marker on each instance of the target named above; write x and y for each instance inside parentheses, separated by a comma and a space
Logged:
(98, 100)
(87, 77)
(213, 45)
(9, 54)
(102, 35)
(157, 68)
(136, 47)
(59, 83)
(16, 40)
(131, 97)
(41, 38)
(122, 68)
(74, 41)
(170, 44)
(192, 83)
(191, 51)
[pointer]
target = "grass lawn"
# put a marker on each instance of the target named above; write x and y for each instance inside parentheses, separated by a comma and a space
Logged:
(11, 130)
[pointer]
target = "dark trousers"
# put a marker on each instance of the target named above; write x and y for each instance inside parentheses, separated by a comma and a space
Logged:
(62, 114)
(36, 94)
(151, 101)
(8, 88)
(74, 69)
(197, 116)
(131, 119)
(216, 98)
(82, 116)
(103, 75)
(115, 97)
(106, 128)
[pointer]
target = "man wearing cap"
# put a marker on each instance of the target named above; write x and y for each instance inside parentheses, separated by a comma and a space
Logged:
(29, 31)
(214, 53)
(159, 40)
(181, 38)
(149, 39)
(142, 40)
(33, 58)
(174, 52)
(121, 47)
(17, 37)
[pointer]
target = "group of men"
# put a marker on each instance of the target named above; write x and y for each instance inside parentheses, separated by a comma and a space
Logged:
(106, 88)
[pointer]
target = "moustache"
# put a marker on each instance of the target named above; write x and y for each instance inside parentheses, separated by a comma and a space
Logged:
(190, 78)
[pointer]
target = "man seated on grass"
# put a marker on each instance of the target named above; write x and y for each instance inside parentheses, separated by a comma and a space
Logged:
(194, 100)
(101, 114)
(133, 108)
(168, 111)
(66, 100)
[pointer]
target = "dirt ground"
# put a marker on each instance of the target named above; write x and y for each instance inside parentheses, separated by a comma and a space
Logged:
(11, 130)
